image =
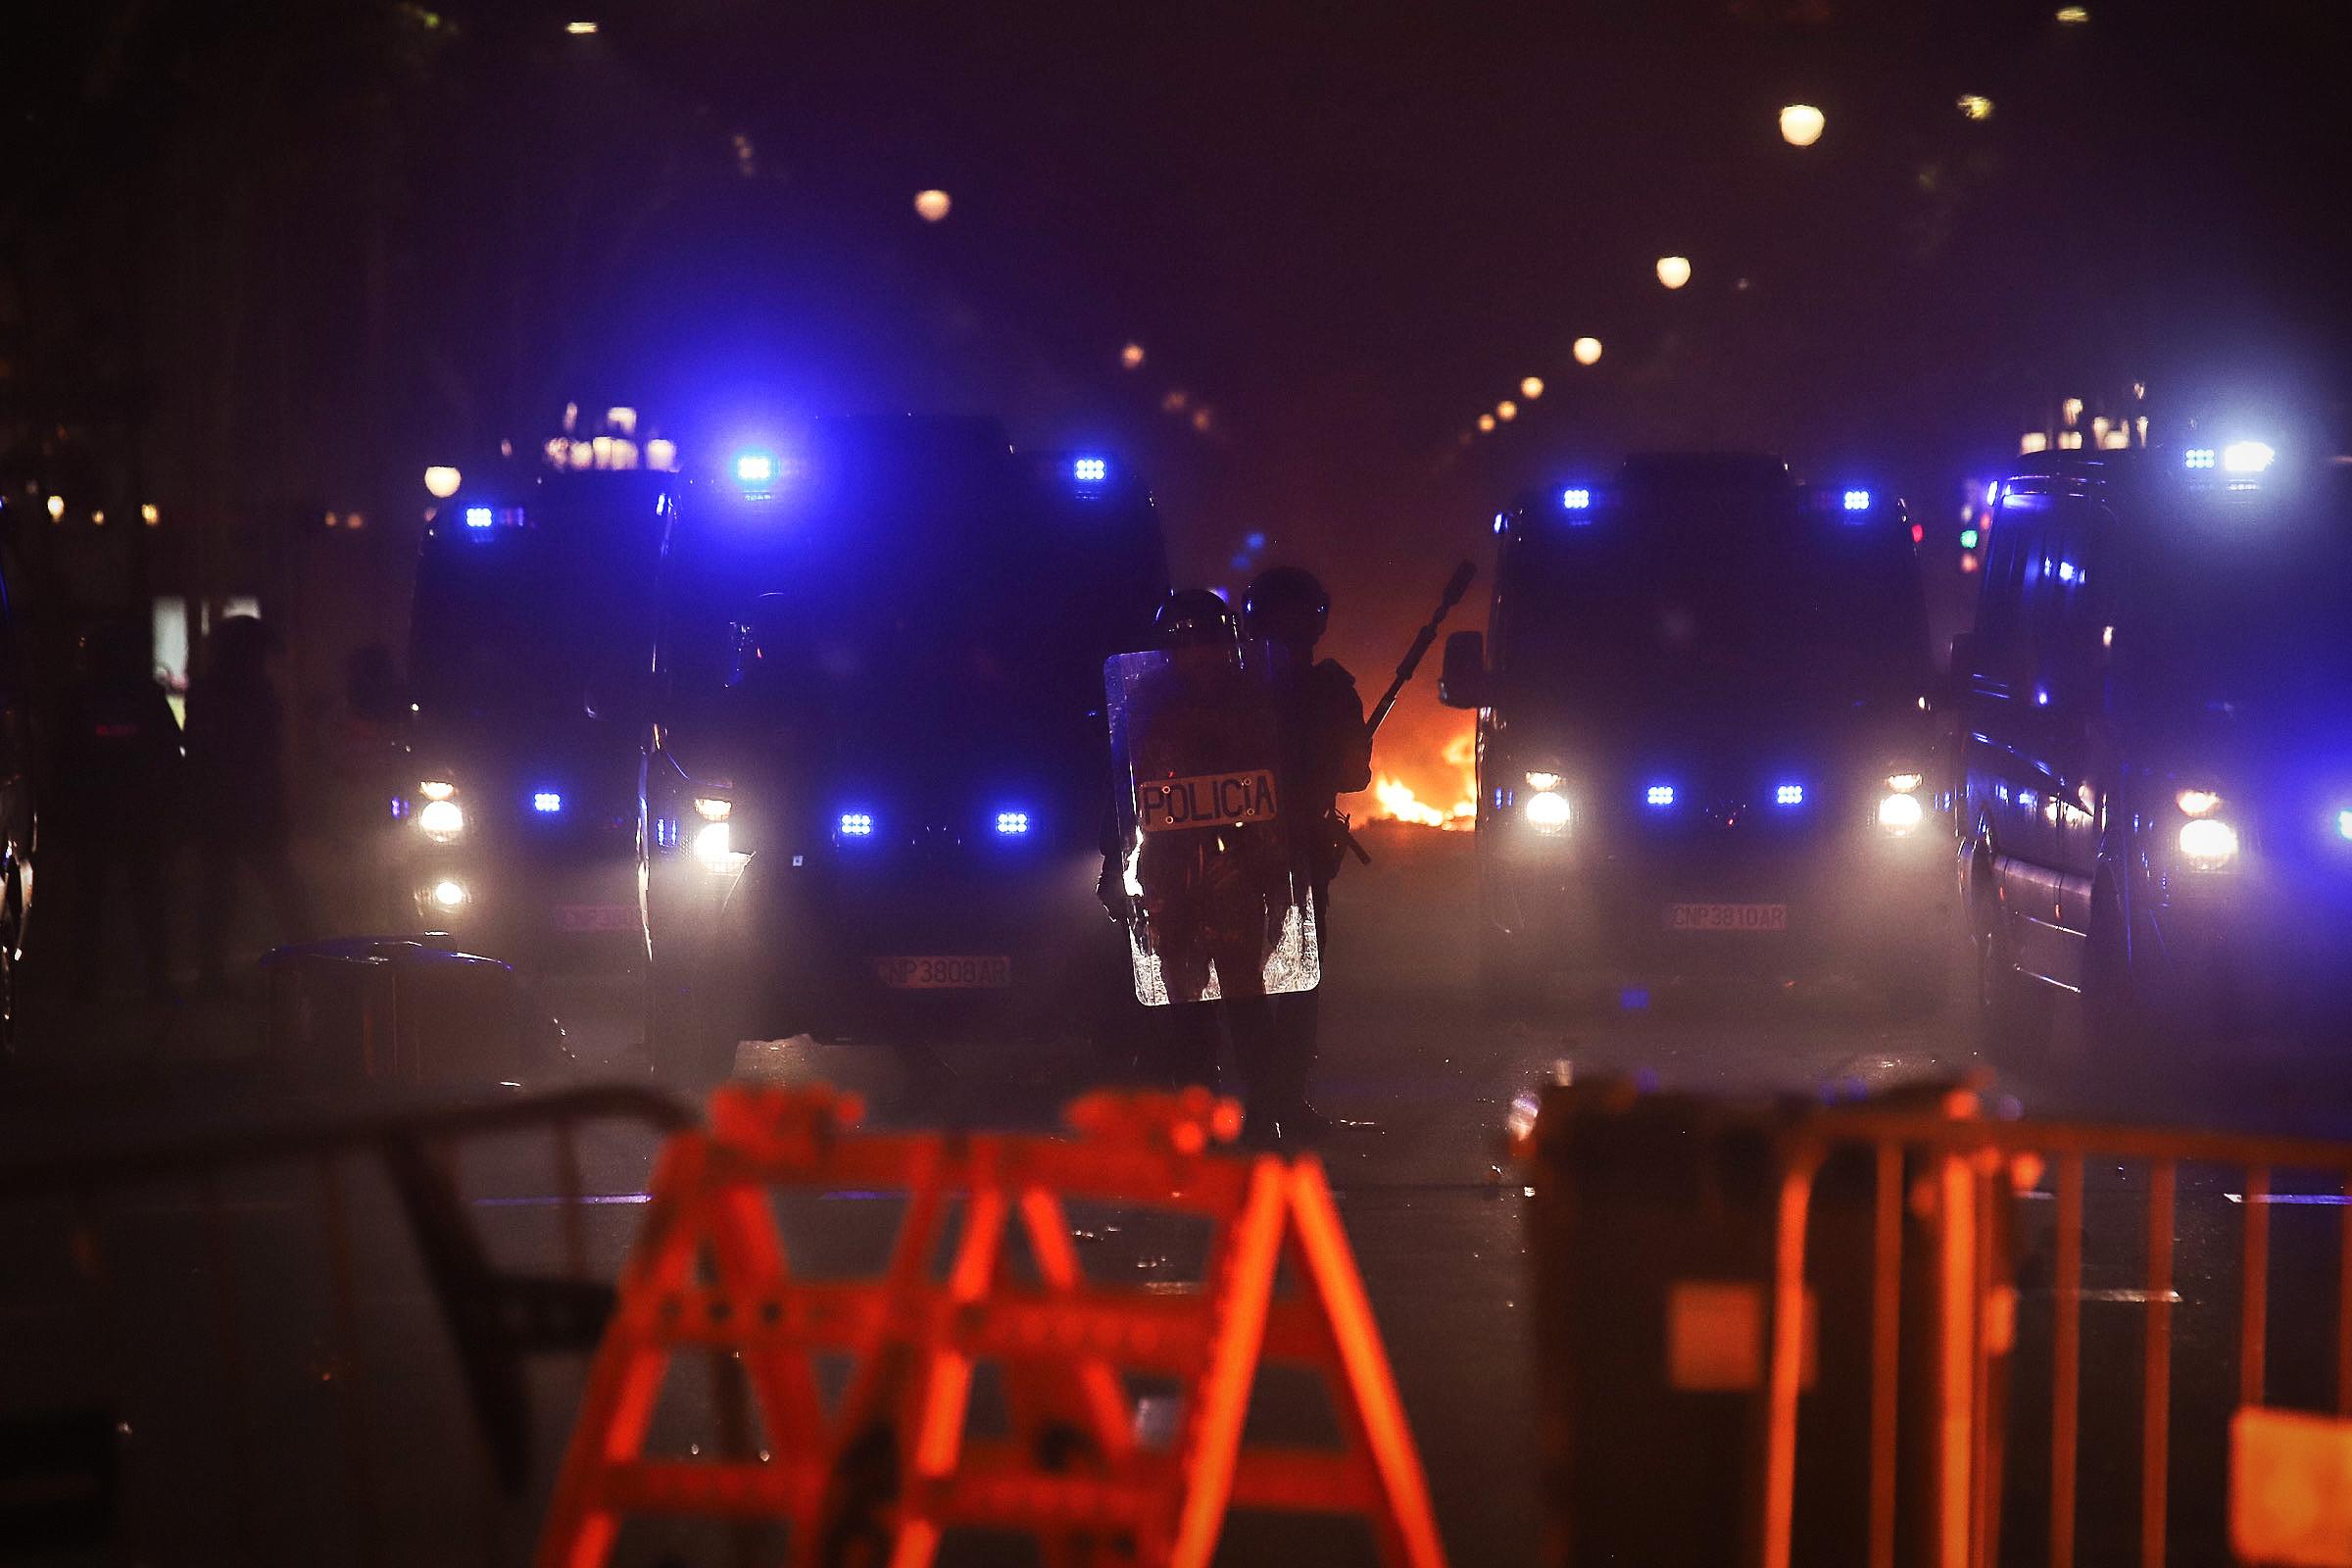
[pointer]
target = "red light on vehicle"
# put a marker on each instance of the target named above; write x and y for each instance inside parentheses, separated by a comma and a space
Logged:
(1967, 563)
(1919, 531)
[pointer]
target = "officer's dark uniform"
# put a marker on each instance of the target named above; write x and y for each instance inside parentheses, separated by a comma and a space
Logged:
(236, 751)
(1331, 756)
(1194, 896)
(120, 761)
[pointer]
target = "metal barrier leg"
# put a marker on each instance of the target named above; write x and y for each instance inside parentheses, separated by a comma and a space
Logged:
(1886, 1347)
(352, 1395)
(1787, 1366)
(2066, 1360)
(2155, 1454)
(2254, 1301)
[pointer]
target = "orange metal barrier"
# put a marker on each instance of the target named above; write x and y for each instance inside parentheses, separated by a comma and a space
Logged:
(228, 1347)
(893, 1465)
(1938, 1424)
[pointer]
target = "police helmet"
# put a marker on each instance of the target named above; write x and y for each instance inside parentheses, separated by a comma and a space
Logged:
(1192, 618)
(1286, 605)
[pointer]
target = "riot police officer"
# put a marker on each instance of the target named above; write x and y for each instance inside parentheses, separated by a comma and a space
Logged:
(1219, 897)
(120, 756)
(1331, 756)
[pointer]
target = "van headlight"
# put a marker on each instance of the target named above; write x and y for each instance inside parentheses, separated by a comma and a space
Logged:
(441, 818)
(1548, 812)
(2208, 844)
(715, 848)
(1900, 813)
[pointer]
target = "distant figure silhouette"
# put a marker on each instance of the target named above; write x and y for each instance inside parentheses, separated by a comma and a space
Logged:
(120, 761)
(236, 754)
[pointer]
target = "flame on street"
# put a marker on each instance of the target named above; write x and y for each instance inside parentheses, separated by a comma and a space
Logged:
(1398, 803)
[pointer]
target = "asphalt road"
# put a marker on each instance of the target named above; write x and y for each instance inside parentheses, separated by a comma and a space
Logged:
(326, 1419)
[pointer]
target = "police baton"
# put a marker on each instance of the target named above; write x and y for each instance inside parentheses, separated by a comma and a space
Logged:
(1455, 586)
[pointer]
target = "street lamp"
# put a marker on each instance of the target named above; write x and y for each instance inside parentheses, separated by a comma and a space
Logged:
(441, 481)
(1132, 356)
(1587, 351)
(1801, 125)
(931, 205)
(57, 509)
(1486, 422)
(1976, 106)
(1674, 270)
(1532, 388)
(1506, 411)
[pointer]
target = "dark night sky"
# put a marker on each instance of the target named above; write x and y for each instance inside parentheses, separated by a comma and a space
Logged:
(1348, 229)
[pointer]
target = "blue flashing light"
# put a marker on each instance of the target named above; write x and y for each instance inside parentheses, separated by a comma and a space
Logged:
(2199, 457)
(479, 516)
(754, 469)
(2247, 457)
(1503, 520)
(1255, 541)
(1992, 493)
(1789, 795)
(2343, 824)
(1575, 499)
(1858, 500)
(2066, 572)
(399, 806)
(858, 824)
(1090, 471)
(1241, 562)
(1659, 794)
(1011, 824)
(547, 803)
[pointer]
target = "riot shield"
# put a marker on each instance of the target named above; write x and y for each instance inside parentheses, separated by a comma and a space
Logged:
(1211, 858)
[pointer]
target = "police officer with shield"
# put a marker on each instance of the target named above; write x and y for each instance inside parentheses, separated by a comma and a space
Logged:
(1331, 754)
(1204, 865)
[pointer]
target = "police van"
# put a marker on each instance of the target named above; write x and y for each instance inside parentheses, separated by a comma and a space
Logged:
(1704, 740)
(877, 771)
(2157, 805)
(531, 622)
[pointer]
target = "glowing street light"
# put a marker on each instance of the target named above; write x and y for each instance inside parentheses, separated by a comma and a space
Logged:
(441, 481)
(149, 515)
(2073, 16)
(1506, 411)
(1486, 422)
(580, 29)
(1801, 125)
(57, 509)
(931, 205)
(1532, 388)
(1976, 106)
(1132, 356)
(1674, 270)
(1587, 350)
(660, 454)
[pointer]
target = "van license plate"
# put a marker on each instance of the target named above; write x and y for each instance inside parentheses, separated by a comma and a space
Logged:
(1735, 917)
(1210, 800)
(958, 972)
(579, 917)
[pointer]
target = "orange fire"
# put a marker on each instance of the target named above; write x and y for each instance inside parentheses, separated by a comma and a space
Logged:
(1397, 801)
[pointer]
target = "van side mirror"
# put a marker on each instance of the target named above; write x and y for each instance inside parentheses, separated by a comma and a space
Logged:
(1462, 681)
(619, 696)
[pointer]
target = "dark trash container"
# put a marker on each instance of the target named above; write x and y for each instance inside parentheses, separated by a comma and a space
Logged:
(396, 1009)
(1651, 1239)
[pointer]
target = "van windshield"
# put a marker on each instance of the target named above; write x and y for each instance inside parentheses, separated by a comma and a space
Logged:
(2246, 604)
(1709, 604)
